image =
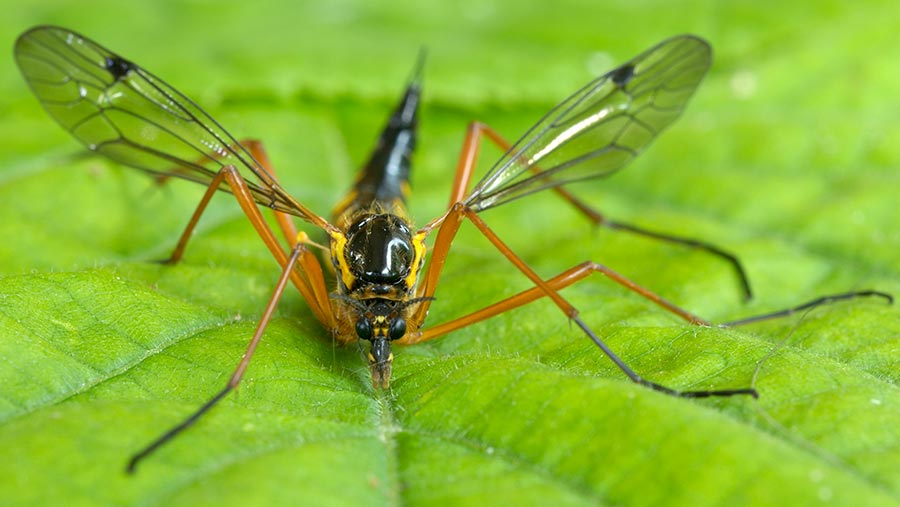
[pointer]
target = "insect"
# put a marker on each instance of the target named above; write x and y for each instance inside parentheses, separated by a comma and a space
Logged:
(383, 286)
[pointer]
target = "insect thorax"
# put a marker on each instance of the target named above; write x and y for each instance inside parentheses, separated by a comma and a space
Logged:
(377, 256)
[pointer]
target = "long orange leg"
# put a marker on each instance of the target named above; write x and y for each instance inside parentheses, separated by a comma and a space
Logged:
(256, 148)
(545, 289)
(449, 224)
(471, 148)
(310, 280)
(309, 264)
(550, 289)
(238, 374)
(577, 273)
(558, 282)
(258, 151)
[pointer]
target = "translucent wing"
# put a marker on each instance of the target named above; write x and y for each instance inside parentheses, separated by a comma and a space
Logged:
(120, 110)
(601, 127)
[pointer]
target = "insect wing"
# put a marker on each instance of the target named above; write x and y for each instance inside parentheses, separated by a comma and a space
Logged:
(120, 110)
(602, 126)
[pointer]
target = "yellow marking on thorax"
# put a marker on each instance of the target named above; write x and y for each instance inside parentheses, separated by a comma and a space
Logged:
(338, 243)
(419, 247)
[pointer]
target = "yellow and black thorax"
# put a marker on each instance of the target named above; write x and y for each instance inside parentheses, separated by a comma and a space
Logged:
(375, 251)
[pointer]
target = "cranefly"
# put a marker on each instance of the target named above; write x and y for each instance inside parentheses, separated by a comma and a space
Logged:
(383, 286)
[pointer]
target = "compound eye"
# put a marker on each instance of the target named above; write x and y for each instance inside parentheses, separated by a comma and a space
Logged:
(364, 328)
(398, 329)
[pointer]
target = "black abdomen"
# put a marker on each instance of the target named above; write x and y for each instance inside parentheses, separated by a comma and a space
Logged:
(385, 177)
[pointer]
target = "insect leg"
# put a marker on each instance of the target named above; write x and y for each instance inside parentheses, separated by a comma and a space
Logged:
(599, 218)
(820, 301)
(178, 252)
(449, 223)
(310, 288)
(572, 313)
(309, 264)
(256, 149)
(235, 379)
(477, 130)
(468, 156)
(558, 282)
(577, 273)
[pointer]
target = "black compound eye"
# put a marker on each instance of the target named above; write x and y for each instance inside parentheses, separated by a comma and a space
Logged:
(364, 328)
(398, 329)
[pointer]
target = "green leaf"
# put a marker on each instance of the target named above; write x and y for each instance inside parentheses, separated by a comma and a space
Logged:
(787, 156)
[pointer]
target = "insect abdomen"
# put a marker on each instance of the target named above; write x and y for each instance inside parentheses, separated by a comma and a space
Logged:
(383, 183)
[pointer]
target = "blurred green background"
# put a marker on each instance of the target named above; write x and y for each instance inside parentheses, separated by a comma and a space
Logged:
(788, 155)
